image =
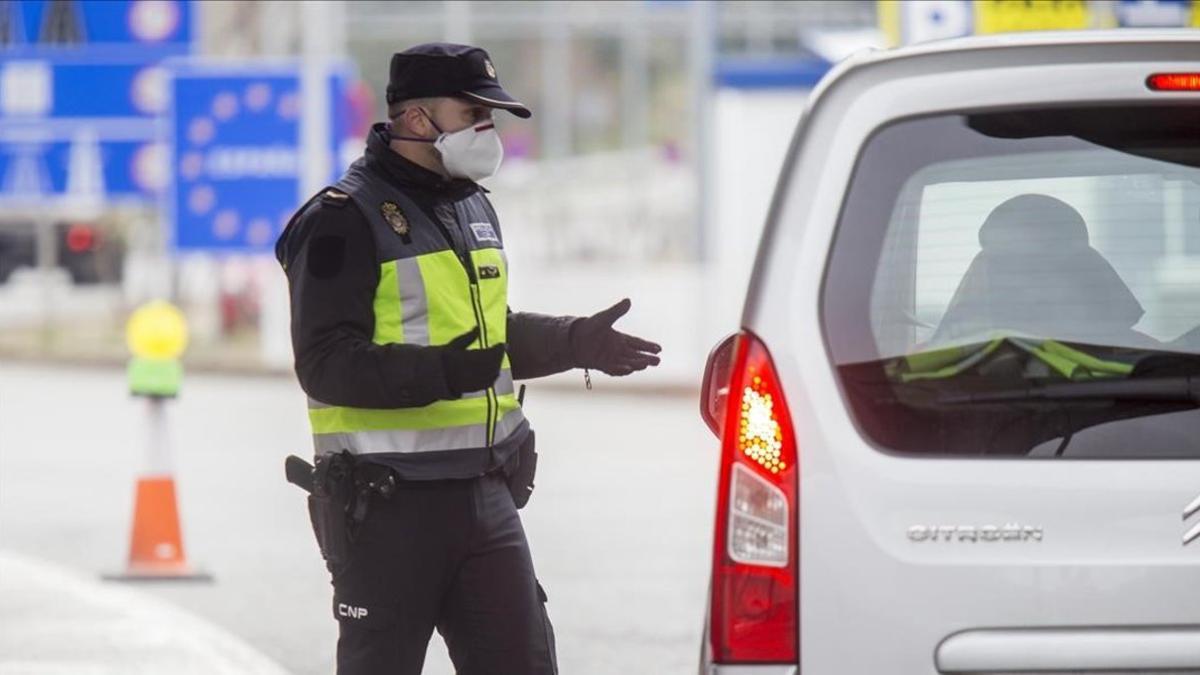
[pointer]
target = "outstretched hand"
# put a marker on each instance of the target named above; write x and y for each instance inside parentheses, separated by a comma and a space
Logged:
(595, 344)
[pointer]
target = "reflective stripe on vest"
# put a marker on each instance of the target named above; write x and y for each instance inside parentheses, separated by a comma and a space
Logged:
(425, 297)
(428, 440)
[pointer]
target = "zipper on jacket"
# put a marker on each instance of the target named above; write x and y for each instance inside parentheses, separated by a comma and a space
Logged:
(493, 404)
(464, 257)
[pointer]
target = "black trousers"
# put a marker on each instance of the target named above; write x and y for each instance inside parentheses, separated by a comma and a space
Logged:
(446, 554)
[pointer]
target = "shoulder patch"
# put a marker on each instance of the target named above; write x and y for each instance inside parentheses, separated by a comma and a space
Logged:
(335, 198)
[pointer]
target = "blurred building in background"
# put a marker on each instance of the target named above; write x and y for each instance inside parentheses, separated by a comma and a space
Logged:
(608, 191)
(621, 90)
(646, 171)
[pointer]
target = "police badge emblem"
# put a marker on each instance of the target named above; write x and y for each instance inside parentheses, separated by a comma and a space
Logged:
(394, 217)
(489, 69)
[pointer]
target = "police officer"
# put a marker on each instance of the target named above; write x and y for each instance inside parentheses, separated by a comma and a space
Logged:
(407, 350)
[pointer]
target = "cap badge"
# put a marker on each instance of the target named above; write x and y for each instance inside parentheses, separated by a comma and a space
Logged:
(489, 69)
(394, 217)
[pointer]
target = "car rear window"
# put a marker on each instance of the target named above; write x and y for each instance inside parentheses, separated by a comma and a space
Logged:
(1023, 283)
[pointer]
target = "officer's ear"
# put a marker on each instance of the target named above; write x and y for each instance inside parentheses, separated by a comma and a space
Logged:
(406, 119)
(414, 119)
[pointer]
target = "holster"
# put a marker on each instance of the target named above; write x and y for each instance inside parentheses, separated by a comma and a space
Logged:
(329, 526)
(341, 490)
(329, 504)
(519, 471)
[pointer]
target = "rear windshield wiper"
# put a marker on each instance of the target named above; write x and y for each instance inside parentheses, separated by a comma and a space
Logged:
(1179, 389)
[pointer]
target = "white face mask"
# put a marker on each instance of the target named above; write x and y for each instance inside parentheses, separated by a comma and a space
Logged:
(474, 153)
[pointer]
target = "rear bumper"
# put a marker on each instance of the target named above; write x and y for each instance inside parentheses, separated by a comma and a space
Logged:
(750, 670)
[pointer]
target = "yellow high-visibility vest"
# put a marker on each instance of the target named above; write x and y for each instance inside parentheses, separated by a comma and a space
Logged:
(428, 295)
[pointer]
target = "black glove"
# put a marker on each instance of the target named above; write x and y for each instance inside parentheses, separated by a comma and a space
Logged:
(594, 344)
(470, 369)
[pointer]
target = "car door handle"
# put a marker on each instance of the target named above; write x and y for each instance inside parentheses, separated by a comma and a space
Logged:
(1047, 650)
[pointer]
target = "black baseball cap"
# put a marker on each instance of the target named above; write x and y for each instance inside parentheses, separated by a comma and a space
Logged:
(443, 69)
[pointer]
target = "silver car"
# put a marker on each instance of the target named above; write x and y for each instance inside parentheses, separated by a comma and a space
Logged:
(959, 427)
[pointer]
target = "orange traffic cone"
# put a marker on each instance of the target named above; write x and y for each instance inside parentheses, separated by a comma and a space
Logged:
(156, 544)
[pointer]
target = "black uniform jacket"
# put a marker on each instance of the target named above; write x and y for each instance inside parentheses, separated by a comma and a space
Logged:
(328, 252)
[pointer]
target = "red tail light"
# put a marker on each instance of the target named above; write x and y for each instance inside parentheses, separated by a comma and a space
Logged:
(755, 604)
(1174, 82)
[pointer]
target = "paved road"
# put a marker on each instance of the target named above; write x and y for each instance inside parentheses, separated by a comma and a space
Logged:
(55, 622)
(620, 524)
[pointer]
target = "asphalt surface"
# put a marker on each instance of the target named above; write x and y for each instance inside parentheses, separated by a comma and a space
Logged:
(57, 622)
(620, 524)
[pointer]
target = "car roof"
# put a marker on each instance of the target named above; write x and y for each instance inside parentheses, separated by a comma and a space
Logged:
(1014, 49)
(1033, 39)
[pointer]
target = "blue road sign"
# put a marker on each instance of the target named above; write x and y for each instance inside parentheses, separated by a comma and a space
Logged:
(144, 27)
(236, 157)
(81, 94)
(127, 170)
(33, 89)
(48, 107)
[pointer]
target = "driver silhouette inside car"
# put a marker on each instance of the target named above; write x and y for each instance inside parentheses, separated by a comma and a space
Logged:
(1038, 275)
